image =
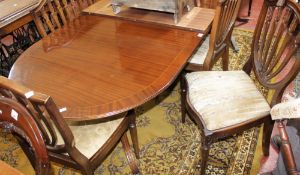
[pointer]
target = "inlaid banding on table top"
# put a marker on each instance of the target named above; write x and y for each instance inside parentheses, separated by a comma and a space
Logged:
(99, 66)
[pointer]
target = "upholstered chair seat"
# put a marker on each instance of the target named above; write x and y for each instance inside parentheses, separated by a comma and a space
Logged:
(82, 145)
(199, 56)
(223, 103)
(90, 137)
(225, 99)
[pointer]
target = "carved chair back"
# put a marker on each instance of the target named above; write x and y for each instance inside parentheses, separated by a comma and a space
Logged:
(53, 14)
(46, 115)
(225, 16)
(16, 120)
(275, 56)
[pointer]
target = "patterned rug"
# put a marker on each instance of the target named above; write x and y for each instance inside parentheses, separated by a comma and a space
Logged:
(167, 146)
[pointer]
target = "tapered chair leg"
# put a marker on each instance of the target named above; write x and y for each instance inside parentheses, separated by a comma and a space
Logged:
(204, 154)
(267, 132)
(233, 44)
(225, 59)
(129, 154)
(183, 97)
(133, 134)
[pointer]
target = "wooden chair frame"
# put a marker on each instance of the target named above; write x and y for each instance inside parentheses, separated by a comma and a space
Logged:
(267, 63)
(53, 14)
(16, 120)
(47, 116)
(220, 37)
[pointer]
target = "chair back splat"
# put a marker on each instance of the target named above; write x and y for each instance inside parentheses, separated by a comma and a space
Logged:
(275, 47)
(59, 135)
(226, 14)
(239, 105)
(53, 14)
(216, 45)
(43, 110)
(16, 120)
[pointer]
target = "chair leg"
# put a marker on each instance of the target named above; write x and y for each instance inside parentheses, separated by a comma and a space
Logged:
(133, 134)
(204, 154)
(233, 45)
(129, 154)
(225, 59)
(267, 132)
(183, 97)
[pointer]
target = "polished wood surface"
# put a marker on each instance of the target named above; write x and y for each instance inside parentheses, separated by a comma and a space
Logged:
(286, 148)
(98, 66)
(15, 119)
(275, 63)
(220, 37)
(8, 169)
(198, 19)
(15, 25)
(37, 120)
(14, 14)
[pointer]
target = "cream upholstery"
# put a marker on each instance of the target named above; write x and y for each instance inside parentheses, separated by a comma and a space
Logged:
(12, 10)
(286, 110)
(199, 56)
(225, 98)
(89, 138)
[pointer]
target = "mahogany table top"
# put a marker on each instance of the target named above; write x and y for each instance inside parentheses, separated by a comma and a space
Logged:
(99, 66)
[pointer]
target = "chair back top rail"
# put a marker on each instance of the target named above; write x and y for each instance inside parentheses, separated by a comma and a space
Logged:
(275, 55)
(16, 119)
(53, 14)
(220, 37)
(43, 110)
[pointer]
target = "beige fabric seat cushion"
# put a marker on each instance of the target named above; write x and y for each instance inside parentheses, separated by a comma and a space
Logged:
(286, 110)
(199, 56)
(89, 138)
(12, 10)
(225, 98)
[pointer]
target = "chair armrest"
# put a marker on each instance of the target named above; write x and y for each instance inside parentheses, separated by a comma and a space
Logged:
(286, 110)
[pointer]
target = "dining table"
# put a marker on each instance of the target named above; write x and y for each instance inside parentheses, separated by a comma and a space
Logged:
(96, 66)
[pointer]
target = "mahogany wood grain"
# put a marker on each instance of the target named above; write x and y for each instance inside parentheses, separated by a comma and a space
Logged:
(198, 19)
(8, 169)
(220, 36)
(275, 62)
(15, 118)
(15, 25)
(286, 150)
(37, 123)
(98, 66)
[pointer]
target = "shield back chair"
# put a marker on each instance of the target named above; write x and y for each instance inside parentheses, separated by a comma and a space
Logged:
(223, 103)
(289, 158)
(216, 45)
(53, 14)
(14, 118)
(81, 145)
